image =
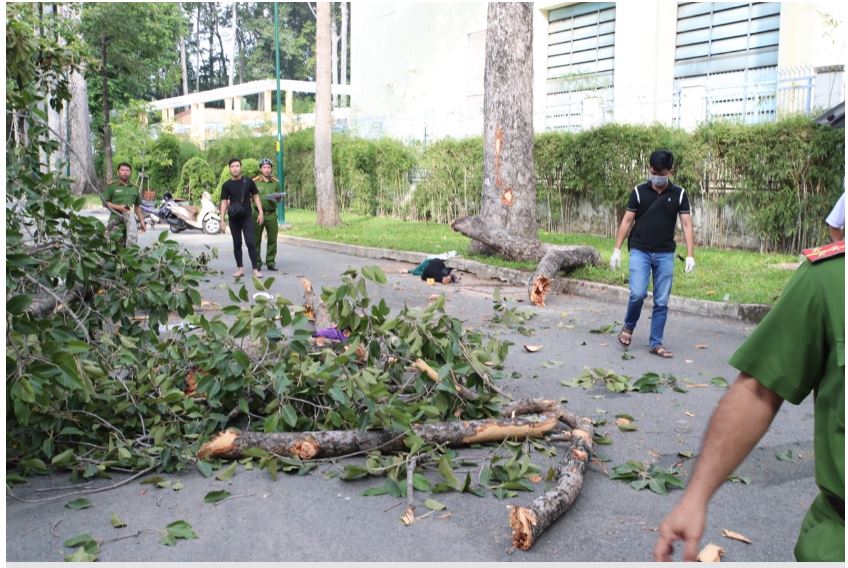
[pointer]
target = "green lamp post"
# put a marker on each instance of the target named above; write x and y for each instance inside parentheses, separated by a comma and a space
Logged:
(281, 205)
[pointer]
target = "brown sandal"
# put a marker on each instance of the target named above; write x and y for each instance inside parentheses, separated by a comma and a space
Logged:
(661, 351)
(625, 336)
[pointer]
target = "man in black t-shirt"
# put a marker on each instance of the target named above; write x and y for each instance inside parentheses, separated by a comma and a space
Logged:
(653, 207)
(239, 190)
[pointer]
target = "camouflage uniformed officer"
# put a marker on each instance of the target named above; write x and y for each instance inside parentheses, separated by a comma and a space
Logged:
(120, 196)
(797, 349)
(267, 184)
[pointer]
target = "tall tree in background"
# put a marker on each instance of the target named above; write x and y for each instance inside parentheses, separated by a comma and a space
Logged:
(509, 188)
(343, 66)
(507, 219)
(135, 45)
(325, 204)
(183, 61)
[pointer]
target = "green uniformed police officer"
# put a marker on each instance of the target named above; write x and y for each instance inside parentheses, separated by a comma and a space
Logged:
(267, 185)
(120, 196)
(797, 349)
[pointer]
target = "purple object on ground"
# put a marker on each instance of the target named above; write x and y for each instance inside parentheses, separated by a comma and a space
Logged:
(330, 333)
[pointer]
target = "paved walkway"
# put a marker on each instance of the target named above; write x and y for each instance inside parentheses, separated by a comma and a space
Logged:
(313, 518)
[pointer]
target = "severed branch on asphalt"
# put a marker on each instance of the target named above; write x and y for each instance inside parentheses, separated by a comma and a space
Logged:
(528, 523)
(232, 444)
(551, 258)
(521, 419)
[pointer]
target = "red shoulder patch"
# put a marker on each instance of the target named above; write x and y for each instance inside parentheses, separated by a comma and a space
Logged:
(824, 252)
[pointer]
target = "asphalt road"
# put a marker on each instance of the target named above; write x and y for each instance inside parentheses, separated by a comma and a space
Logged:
(315, 518)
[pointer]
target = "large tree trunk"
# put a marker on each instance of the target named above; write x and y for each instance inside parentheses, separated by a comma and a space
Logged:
(328, 213)
(333, 443)
(107, 132)
(551, 258)
(509, 189)
(344, 98)
(83, 175)
(334, 42)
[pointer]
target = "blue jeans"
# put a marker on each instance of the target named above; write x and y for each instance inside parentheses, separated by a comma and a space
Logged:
(643, 265)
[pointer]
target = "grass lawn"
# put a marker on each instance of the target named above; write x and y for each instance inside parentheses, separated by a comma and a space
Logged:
(92, 201)
(720, 274)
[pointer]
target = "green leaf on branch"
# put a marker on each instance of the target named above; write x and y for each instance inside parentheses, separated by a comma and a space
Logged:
(178, 530)
(227, 473)
(77, 504)
(216, 496)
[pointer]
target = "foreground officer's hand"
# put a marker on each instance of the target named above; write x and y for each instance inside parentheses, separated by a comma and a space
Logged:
(615, 259)
(686, 522)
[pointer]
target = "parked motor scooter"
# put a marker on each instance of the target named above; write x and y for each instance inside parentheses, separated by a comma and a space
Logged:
(180, 216)
(151, 213)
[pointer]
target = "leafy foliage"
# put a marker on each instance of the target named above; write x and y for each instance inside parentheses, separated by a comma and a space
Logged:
(656, 383)
(610, 379)
(640, 476)
(508, 314)
(196, 177)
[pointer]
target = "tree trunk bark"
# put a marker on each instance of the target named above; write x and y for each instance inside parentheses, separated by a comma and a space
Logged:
(183, 61)
(509, 188)
(232, 444)
(83, 174)
(197, 53)
(56, 119)
(327, 209)
(528, 523)
(334, 53)
(551, 258)
(344, 98)
(107, 133)
(235, 43)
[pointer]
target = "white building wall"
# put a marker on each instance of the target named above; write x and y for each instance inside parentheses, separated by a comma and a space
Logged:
(417, 68)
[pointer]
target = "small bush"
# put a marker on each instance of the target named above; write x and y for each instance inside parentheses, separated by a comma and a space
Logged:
(197, 176)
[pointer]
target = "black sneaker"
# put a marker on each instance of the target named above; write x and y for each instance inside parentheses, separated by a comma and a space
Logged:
(271, 267)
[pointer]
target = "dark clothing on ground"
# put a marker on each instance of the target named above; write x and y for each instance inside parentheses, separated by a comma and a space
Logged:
(654, 227)
(436, 269)
(237, 227)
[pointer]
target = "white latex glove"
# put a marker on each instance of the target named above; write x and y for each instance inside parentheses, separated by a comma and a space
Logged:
(615, 259)
(690, 264)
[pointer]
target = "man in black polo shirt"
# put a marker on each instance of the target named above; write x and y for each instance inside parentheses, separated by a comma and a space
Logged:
(653, 207)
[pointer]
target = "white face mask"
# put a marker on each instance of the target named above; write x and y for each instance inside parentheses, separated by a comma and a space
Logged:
(659, 181)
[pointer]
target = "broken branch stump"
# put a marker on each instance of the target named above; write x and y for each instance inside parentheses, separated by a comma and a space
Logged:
(551, 258)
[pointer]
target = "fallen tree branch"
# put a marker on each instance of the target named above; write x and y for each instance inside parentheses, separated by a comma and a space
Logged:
(232, 444)
(528, 523)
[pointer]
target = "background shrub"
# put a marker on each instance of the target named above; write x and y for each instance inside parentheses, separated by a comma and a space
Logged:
(197, 176)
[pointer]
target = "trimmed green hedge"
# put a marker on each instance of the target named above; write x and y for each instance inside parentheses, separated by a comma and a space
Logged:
(784, 176)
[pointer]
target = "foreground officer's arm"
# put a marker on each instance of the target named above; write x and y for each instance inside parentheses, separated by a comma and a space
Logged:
(743, 416)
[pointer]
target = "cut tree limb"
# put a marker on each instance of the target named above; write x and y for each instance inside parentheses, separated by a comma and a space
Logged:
(433, 375)
(551, 258)
(232, 444)
(528, 523)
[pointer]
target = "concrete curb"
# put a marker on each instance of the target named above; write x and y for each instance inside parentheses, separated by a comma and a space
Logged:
(752, 313)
